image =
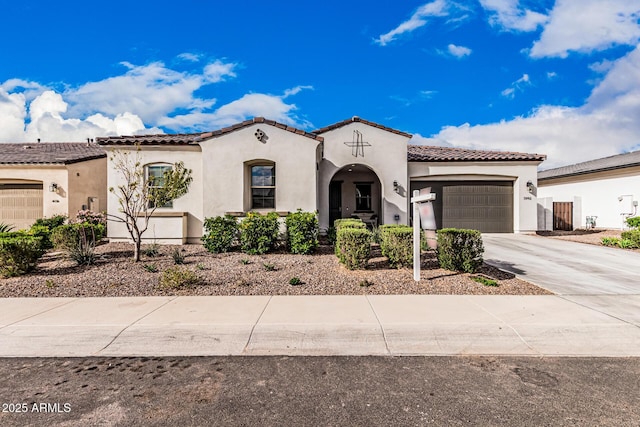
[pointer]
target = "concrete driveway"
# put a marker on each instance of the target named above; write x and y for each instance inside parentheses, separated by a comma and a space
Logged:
(566, 268)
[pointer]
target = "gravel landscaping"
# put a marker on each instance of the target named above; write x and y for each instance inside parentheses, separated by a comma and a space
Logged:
(592, 237)
(115, 274)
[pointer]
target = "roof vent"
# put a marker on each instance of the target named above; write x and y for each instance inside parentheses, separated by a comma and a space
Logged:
(26, 147)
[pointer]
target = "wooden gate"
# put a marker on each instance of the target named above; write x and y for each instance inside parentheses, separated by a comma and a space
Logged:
(563, 216)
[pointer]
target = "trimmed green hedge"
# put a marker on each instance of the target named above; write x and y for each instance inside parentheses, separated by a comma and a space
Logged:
(221, 233)
(348, 223)
(633, 222)
(353, 247)
(69, 236)
(633, 236)
(19, 253)
(259, 233)
(396, 243)
(302, 232)
(460, 249)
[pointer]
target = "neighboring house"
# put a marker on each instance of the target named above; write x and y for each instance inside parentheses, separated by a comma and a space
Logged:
(45, 179)
(352, 168)
(605, 190)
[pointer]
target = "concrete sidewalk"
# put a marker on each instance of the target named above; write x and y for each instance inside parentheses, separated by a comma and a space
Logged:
(602, 325)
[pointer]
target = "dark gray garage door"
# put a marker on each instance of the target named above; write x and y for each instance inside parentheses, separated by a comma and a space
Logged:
(480, 205)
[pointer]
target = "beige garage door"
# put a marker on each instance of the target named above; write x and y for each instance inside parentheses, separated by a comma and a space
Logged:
(20, 204)
(484, 206)
(480, 205)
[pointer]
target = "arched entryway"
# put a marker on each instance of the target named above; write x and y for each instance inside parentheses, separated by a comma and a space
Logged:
(355, 192)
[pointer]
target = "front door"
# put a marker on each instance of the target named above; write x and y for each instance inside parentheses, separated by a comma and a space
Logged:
(335, 201)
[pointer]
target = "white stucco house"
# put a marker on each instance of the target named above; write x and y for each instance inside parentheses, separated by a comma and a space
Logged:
(351, 168)
(606, 190)
(46, 179)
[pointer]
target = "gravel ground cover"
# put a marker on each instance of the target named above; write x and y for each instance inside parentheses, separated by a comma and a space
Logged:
(115, 274)
(592, 237)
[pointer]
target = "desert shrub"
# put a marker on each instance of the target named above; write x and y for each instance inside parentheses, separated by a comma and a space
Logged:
(221, 233)
(178, 256)
(633, 236)
(460, 249)
(610, 241)
(633, 222)
(178, 278)
(485, 281)
(5, 228)
(396, 243)
(19, 253)
(302, 232)
(152, 250)
(295, 281)
(353, 247)
(44, 233)
(259, 233)
(78, 240)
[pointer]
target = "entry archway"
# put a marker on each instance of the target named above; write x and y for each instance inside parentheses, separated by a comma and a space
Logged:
(355, 191)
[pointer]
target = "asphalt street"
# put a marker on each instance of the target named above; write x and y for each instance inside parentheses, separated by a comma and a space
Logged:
(327, 391)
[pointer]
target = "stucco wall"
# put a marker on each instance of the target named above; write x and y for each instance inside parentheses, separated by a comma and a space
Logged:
(524, 203)
(85, 180)
(595, 194)
(191, 203)
(386, 157)
(53, 203)
(227, 160)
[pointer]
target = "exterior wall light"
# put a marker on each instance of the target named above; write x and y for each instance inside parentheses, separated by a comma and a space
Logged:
(396, 187)
(530, 187)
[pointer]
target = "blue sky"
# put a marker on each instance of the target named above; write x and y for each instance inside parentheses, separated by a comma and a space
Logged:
(560, 78)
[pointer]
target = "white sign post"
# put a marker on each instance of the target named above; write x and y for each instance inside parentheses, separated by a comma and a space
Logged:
(416, 200)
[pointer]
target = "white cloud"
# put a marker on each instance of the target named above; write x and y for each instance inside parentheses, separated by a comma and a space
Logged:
(458, 51)
(250, 105)
(417, 20)
(588, 25)
(137, 101)
(518, 85)
(508, 16)
(552, 75)
(428, 93)
(149, 91)
(189, 57)
(605, 125)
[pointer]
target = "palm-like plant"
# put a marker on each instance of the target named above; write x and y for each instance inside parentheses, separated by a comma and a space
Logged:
(5, 228)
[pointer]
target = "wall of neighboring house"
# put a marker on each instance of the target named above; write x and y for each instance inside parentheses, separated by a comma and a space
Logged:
(228, 160)
(597, 194)
(517, 172)
(53, 203)
(180, 223)
(87, 180)
(386, 156)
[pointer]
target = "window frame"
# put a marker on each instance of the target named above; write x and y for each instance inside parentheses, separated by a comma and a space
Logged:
(147, 175)
(253, 187)
(366, 199)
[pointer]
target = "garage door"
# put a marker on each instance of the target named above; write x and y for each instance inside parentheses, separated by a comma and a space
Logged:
(20, 204)
(480, 205)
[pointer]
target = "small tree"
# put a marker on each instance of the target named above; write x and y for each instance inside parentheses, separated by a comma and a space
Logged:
(139, 198)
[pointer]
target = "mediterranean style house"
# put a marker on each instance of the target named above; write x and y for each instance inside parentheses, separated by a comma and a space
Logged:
(46, 179)
(354, 168)
(602, 192)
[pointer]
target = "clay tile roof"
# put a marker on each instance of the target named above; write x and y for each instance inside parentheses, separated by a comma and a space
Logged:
(619, 161)
(195, 138)
(426, 153)
(159, 139)
(357, 119)
(49, 153)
